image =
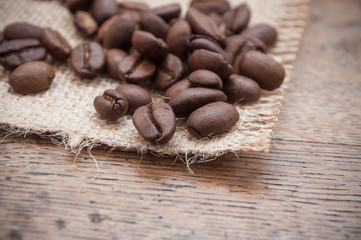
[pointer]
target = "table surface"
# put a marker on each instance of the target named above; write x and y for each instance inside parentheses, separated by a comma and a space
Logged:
(307, 187)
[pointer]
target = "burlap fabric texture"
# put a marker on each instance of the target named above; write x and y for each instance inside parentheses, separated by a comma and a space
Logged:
(65, 112)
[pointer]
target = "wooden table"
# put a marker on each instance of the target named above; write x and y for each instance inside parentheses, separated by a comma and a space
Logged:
(307, 187)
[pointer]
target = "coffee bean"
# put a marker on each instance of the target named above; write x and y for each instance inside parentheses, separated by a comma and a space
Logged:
(154, 24)
(148, 45)
(237, 19)
(168, 12)
(188, 100)
(208, 6)
(56, 44)
(112, 105)
(75, 5)
(204, 25)
(112, 59)
(241, 89)
(155, 122)
(135, 69)
(32, 77)
(203, 42)
(205, 78)
(212, 119)
(204, 59)
(135, 95)
(263, 32)
(177, 38)
(102, 10)
(170, 70)
(85, 23)
(21, 30)
(176, 88)
(16, 52)
(87, 59)
(268, 73)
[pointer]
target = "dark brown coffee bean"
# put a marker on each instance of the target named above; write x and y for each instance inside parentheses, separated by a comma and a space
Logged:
(241, 89)
(268, 73)
(22, 31)
(205, 78)
(170, 70)
(263, 32)
(135, 69)
(16, 52)
(204, 59)
(56, 44)
(176, 88)
(135, 95)
(1, 37)
(154, 24)
(32, 77)
(155, 122)
(168, 12)
(188, 100)
(237, 19)
(148, 45)
(208, 6)
(85, 23)
(102, 10)
(177, 38)
(212, 119)
(112, 59)
(87, 59)
(112, 105)
(204, 25)
(75, 5)
(203, 42)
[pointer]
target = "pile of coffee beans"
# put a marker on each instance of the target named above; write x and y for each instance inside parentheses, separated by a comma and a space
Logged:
(197, 62)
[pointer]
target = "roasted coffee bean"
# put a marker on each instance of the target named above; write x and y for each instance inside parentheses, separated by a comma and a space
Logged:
(152, 23)
(1, 37)
(264, 32)
(75, 5)
(188, 100)
(204, 25)
(168, 12)
(241, 89)
(112, 59)
(177, 38)
(85, 23)
(87, 59)
(170, 70)
(21, 30)
(205, 78)
(112, 105)
(207, 6)
(268, 73)
(32, 77)
(56, 44)
(203, 42)
(155, 122)
(237, 19)
(135, 69)
(176, 88)
(204, 59)
(212, 119)
(16, 52)
(135, 95)
(148, 45)
(102, 10)
(133, 9)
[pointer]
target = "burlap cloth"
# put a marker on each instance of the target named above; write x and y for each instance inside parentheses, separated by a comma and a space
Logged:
(65, 112)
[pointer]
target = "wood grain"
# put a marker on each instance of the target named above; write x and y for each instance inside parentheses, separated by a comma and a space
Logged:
(307, 187)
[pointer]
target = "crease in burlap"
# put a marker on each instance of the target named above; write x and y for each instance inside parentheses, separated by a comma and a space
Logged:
(65, 112)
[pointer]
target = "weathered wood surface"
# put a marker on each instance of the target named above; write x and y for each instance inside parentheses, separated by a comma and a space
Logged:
(307, 187)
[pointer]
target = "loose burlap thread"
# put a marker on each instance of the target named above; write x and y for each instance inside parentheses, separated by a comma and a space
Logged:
(65, 112)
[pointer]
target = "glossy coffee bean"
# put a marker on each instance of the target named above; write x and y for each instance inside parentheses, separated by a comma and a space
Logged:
(85, 23)
(205, 78)
(203, 42)
(177, 38)
(102, 10)
(148, 45)
(75, 5)
(16, 52)
(135, 95)
(87, 59)
(112, 105)
(264, 32)
(112, 59)
(211, 119)
(260, 67)
(154, 24)
(56, 44)
(155, 122)
(209, 6)
(176, 88)
(21, 30)
(188, 100)
(32, 77)
(136, 69)
(170, 70)
(241, 89)
(168, 12)
(237, 19)
(204, 59)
